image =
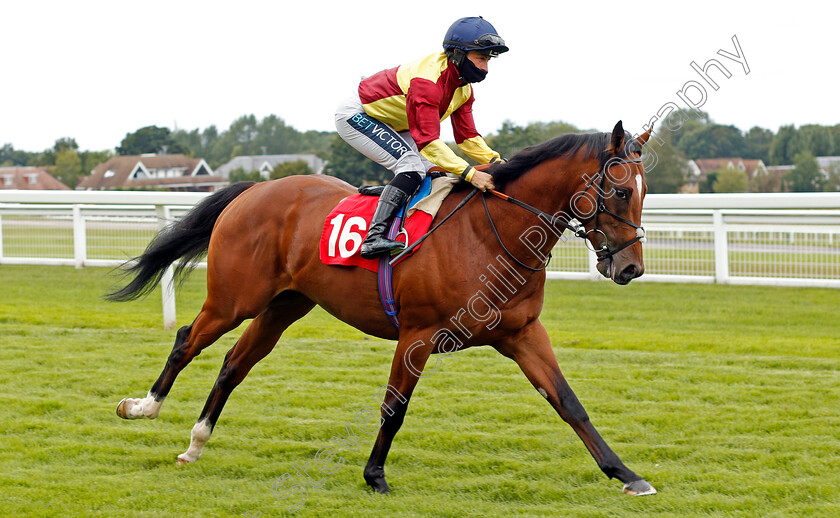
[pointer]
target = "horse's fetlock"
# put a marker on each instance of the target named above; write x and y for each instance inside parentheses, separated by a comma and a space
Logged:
(201, 431)
(374, 472)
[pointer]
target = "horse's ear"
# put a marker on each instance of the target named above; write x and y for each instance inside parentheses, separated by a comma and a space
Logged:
(644, 137)
(617, 139)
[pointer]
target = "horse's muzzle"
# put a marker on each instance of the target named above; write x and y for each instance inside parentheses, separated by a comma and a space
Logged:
(620, 273)
(630, 272)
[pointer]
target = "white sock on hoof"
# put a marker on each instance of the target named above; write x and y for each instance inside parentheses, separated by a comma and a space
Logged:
(146, 407)
(199, 436)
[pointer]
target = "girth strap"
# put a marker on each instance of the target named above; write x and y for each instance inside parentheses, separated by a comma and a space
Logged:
(386, 286)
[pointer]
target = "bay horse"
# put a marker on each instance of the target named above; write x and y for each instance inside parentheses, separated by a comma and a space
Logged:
(463, 288)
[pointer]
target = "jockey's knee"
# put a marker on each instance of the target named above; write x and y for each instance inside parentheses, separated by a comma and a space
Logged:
(411, 162)
(407, 182)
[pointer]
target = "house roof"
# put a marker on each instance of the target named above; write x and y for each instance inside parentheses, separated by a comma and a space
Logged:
(117, 170)
(708, 165)
(22, 178)
(825, 162)
(256, 162)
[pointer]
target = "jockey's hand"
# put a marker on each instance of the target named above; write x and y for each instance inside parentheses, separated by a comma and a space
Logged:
(482, 181)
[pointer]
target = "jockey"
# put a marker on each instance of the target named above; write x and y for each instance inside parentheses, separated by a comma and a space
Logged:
(394, 119)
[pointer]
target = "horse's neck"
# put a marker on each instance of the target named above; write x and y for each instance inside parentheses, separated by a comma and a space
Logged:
(551, 186)
(547, 187)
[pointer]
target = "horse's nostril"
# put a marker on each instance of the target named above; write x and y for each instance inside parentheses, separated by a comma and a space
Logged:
(629, 272)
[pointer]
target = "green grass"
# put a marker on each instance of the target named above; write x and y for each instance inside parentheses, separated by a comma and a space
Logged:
(725, 398)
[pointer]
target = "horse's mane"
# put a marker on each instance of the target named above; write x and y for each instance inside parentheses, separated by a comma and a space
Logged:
(594, 143)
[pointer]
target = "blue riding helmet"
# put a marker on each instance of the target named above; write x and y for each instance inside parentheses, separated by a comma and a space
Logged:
(474, 33)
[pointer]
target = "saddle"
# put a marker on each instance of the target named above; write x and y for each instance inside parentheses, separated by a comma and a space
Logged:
(346, 225)
(371, 190)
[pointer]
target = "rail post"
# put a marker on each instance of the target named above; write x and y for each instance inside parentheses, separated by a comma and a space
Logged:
(594, 274)
(79, 238)
(721, 249)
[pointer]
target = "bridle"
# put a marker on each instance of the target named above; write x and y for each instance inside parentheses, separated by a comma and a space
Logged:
(578, 228)
(605, 252)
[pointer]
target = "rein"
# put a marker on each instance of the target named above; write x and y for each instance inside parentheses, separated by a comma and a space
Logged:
(407, 250)
(605, 252)
(536, 211)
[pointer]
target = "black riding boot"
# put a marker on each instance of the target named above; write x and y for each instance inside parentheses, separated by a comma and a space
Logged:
(377, 242)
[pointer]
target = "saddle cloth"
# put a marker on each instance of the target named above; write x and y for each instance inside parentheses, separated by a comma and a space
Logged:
(346, 225)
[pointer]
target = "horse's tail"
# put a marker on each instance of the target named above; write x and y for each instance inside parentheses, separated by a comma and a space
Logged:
(186, 239)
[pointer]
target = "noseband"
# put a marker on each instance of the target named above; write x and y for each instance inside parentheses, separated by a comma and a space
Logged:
(605, 252)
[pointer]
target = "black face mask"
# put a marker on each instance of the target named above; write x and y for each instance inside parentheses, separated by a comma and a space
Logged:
(470, 73)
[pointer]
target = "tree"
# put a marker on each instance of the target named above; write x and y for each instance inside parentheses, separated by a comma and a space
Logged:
(48, 157)
(353, 167)
(764, 182)
(275, 138)
(68, 167)
(91, 159)
(240, 175)
(785, 146)
(706, 185)
(235, 141)
(669, 172)
(189, 140)
(806, 175)
(65, 144)
(512, 138)
(683, 122)
(730, 180)
(249, 136)
(713, 141)
(290, 168)
(150, 139)
(757, 144)
(832, 182)
(11, 157)
(200, 144)
(817, 139)
(835, 134)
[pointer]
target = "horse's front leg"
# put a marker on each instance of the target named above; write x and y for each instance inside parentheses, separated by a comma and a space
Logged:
(531, 350)
(408, 363)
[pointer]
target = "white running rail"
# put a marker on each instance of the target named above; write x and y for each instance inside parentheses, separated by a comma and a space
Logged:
(790, 239)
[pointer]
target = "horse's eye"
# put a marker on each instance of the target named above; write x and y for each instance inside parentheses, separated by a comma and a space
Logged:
(621, 194)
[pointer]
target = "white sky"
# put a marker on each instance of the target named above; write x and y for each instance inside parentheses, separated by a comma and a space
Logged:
(96, 70)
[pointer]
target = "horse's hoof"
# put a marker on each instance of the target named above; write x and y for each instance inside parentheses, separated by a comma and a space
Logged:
(376, 479)
(639, 488)
(379, 485)
(182, 461)
(121, 408)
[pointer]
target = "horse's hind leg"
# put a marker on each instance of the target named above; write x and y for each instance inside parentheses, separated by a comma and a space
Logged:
(209, 325)
(255, 343)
